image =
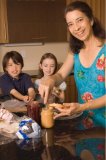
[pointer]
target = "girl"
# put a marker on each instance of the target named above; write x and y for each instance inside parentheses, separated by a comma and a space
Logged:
(48, 66)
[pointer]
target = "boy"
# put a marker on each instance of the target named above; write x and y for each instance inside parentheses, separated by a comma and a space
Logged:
(14, 82)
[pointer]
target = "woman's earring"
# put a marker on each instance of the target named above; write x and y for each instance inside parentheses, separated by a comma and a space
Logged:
(92, 23)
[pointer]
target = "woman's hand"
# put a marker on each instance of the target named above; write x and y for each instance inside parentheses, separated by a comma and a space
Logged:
(69, 109)
(45, 88)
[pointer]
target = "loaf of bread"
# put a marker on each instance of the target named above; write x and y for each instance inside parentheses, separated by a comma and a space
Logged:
(6, 115)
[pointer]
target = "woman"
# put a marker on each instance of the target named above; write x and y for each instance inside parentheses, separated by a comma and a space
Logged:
(87, 57)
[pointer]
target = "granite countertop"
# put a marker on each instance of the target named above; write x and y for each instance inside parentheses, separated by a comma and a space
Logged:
(55, 143)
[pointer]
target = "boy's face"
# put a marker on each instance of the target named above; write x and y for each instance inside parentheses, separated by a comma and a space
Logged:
(13, 69)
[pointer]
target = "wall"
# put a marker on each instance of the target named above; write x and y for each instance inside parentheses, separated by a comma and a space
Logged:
(32, 53)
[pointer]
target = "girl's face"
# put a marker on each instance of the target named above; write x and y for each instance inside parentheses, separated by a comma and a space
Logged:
(13, 69)
(79, 25)
(48, 66)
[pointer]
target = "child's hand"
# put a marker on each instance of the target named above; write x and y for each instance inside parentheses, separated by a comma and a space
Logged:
(56, 91)
(27, 99)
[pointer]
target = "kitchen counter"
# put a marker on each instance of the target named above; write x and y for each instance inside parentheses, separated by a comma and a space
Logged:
(57, 143)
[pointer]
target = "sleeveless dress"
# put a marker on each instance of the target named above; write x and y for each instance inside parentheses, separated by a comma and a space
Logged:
(90, 83)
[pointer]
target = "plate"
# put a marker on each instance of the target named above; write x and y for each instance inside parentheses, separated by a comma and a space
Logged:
(70, 117)
(14, 105)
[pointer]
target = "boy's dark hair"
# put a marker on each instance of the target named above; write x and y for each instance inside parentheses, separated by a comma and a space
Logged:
(45, 56)
(15, 56)
(99, 32)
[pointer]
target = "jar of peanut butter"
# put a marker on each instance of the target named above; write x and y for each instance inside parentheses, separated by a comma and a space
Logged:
(47, 120)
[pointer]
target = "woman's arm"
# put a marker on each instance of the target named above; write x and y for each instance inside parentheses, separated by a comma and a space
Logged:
(76, 107)
(94, 104)
(67, 67)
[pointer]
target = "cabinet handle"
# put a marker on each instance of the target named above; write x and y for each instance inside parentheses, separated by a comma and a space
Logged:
(39, 38)
(5, 31)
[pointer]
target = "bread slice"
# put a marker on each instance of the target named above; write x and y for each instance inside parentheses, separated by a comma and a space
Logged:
(57, 105)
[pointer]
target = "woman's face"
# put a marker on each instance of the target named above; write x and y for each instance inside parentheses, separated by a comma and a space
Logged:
(13, 69)
(79, 25)
(48, 66)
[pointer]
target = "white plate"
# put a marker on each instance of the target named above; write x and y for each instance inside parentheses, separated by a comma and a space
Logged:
(70, 117)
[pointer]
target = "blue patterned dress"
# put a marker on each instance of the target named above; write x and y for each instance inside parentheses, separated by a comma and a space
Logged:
(90, 83)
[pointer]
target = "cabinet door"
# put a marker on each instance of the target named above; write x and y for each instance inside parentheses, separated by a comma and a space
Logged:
(3, 22)
(56, 26)
(71, 91)
(32, 21)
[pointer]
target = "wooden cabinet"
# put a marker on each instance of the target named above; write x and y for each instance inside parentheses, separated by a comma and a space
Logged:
(23, 21)
(3, 22)
(38, 20)
(71, 91)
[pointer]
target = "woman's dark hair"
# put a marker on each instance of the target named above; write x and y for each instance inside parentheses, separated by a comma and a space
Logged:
(76, 44)
(45, 56)
(15, 56)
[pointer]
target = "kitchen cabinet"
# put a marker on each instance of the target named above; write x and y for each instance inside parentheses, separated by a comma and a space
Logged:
(38, 20)
(71, 91)
(3, 22)
(23, 21)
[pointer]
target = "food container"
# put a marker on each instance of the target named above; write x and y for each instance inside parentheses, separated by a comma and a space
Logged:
(47, 120)
(33, 111)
